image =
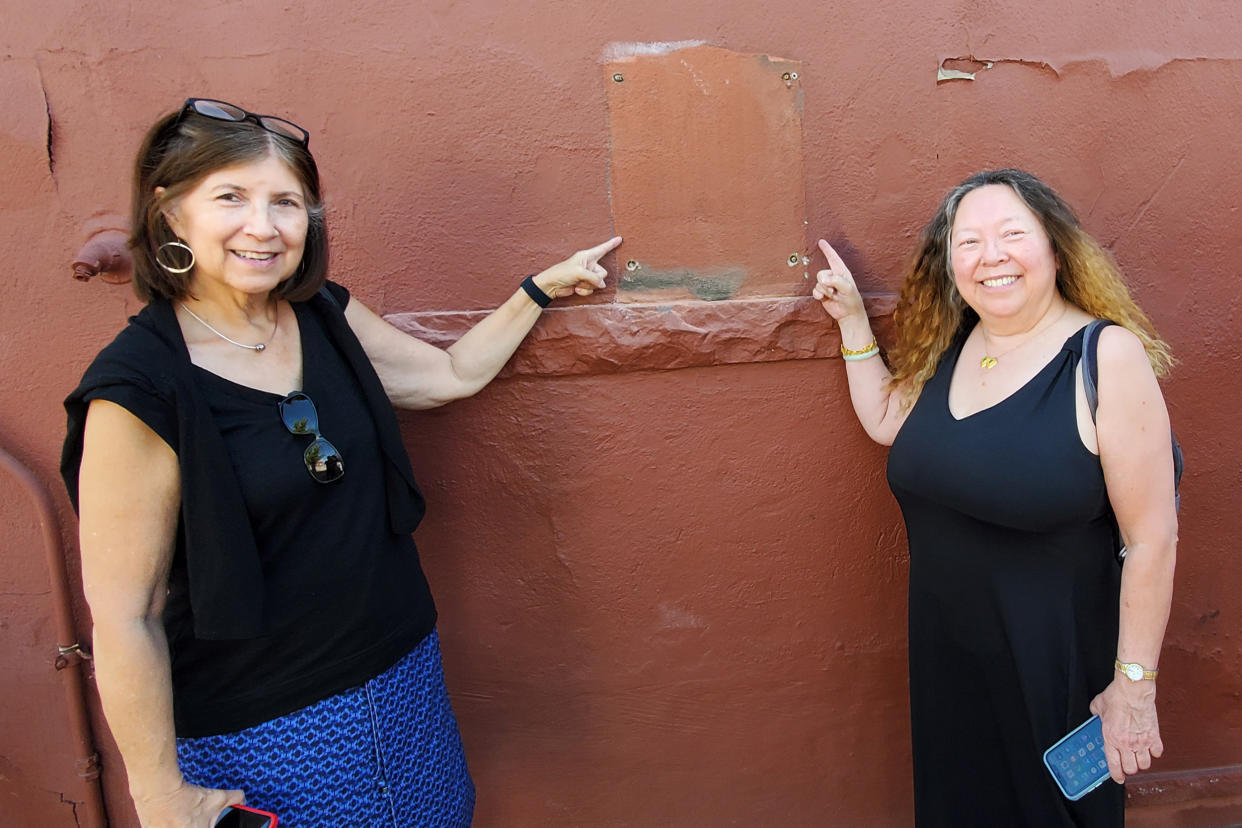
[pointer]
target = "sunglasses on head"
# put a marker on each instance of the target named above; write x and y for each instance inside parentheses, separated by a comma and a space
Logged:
(323, 461)
(221, 111)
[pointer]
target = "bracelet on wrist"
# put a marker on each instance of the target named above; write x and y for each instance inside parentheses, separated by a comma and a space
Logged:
(1134, 671)
(854, 355)
(854, 352)
(535, 292)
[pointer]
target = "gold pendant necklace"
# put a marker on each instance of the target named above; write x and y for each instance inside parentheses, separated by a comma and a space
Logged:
(989, 362)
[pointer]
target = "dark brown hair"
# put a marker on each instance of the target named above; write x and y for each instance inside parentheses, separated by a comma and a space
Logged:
(177, 153)
(931, 312)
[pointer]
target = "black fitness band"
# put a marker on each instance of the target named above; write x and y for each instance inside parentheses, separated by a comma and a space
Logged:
(535, 292)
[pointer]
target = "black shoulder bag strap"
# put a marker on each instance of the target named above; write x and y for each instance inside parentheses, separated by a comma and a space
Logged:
(1090, 362)
(1090, 381)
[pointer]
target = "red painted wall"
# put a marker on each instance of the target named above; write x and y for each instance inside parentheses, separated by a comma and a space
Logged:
(667, 596)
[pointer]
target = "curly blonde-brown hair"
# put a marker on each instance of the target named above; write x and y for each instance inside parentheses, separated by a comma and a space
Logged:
(931, 313)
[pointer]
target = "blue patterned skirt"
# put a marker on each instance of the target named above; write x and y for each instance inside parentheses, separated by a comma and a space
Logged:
(385, 753)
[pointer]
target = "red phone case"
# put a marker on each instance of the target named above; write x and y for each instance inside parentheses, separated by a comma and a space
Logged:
(245, 821)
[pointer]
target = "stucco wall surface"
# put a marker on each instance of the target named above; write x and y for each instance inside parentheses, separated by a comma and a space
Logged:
(672, 587)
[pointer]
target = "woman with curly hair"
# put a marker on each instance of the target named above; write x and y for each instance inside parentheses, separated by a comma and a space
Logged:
(1023, 621)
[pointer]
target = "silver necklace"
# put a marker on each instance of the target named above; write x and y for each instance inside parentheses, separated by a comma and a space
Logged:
(256, 348)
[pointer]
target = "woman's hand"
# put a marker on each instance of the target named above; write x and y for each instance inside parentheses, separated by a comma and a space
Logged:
(188, 806)
(1127, 709)
(877, 402)
(580, 274)
(835, 288)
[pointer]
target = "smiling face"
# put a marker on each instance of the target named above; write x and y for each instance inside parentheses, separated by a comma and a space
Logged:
(246, 225)
(1003, 262)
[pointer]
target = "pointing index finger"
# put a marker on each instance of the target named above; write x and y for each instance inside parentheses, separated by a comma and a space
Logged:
(600, 250)
(831, 255)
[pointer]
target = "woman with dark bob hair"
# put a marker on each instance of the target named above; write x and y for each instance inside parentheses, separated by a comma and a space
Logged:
(1023, 622)
(261, 620)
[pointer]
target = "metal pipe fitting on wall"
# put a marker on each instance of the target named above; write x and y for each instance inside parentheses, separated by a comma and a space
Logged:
(106, 255)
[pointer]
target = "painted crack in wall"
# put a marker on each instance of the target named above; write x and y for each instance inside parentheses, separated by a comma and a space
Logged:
(73, 805)
(28, 139)
(51, 136)
(1147, 202)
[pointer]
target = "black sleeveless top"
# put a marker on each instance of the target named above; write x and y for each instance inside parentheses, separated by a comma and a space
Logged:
(1014, 592)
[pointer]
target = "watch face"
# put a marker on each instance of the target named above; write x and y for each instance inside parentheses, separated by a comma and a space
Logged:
(1134, 672)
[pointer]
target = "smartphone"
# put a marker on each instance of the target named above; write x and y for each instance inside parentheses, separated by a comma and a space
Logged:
(239, 816)
(1077, 762)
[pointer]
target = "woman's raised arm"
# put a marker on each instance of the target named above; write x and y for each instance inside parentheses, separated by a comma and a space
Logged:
(418, 375)
(877, 402)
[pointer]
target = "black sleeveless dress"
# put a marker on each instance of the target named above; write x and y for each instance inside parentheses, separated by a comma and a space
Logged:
(1014, 590)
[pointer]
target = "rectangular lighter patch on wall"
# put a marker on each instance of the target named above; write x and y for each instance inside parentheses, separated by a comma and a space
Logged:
(706, 173)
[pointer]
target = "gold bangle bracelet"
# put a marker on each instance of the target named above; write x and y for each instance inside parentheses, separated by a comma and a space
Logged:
(851, 352)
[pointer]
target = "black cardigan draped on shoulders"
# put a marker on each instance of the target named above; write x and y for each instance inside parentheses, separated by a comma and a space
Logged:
(222, 561)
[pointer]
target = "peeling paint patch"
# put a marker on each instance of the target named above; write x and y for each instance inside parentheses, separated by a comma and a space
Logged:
(960, 69)
(968, 66)
(1127, 62)
(619, 50)
(1119, 64)
(673, 617)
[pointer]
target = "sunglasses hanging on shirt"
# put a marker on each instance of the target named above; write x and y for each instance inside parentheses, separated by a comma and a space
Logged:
(323, 461)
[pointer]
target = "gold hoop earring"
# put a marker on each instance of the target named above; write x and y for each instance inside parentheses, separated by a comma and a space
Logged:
(175, 270)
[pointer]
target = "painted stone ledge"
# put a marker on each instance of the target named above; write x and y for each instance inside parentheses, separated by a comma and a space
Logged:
(1198, 786)
(617, 338)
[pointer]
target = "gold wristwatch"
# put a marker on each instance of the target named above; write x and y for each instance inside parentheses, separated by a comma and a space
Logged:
(1135, 671)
